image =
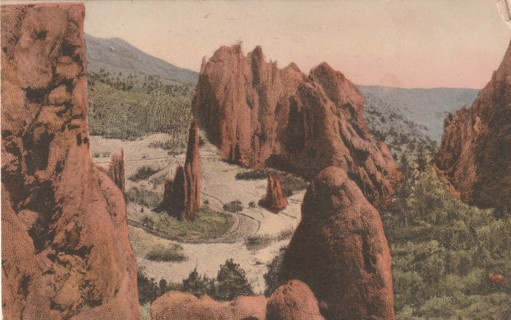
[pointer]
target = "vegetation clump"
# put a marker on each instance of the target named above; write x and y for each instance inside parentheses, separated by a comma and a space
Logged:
(173, 253)
(143, 173)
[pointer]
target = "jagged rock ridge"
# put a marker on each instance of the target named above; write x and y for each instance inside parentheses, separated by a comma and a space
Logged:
(181, 196)
(340, 251)
(475, 154)
(259, 115)
(65, 248)
(117, 170)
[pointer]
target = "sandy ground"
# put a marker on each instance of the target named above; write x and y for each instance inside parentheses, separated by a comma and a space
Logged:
(219, 186)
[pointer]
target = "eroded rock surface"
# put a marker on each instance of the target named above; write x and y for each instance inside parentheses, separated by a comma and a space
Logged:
(340, 251)
(181, 196)
(259, 115)
(176, 305)
(475, 154)
(275, 200)
(65, 248)
(293, 301)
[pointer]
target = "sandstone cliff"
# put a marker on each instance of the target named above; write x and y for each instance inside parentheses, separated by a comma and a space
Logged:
(475, 153)
(340, 251)
(65, 248)
(274, 200)
(181, 196)
(259, 115)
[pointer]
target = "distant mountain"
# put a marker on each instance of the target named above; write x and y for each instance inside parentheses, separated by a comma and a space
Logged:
(116, 55)
(427, 108)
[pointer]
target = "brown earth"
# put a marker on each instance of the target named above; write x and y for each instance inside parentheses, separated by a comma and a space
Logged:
(259, 115)
(475, 154)
(340, 251)
(65, 248)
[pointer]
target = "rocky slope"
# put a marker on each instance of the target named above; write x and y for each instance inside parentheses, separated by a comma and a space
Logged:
(475, 152)
(340, 251)
(181, 196)
(65, 249)
(259, 115)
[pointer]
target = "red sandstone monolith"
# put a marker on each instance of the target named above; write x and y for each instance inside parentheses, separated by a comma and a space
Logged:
(65, 247)
(181, 196)
(117, 170)
(475, 154)
(275, 200)
(259, 115)
(293, 301)
(340, 251)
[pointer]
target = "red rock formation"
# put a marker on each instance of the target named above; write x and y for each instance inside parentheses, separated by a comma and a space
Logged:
(181, 196)
(475, 153)
(293, 301)
(117, 170)
(65, 248)
(179, 305)
(340, 251)
(259, 115)
(274, 200)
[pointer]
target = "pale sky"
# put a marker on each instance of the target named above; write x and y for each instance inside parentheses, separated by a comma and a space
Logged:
(405, 43)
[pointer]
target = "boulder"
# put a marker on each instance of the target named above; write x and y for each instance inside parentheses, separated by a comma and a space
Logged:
(65, 247)
(340, 251)
(293, 301)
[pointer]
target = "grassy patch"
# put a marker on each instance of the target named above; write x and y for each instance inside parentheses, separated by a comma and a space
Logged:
(143, 197)
(260, 241)
(208, 224)
(173, 253)
(143, 173)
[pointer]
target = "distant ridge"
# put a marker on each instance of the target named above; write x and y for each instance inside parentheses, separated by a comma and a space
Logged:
(115, 55)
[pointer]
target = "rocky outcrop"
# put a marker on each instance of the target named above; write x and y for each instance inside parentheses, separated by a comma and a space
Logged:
(259, 115)
(117, 170)
(340, 251)
(475, 154)
(275, 199)
(179, 305)
(65, 248)
(293, 301)
(181, 196)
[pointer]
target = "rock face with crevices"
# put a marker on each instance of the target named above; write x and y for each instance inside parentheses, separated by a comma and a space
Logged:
(259, 115)
(181, 196)
(475, 154)
(340, 251)
(65, 248)
(117, 170)
(275, 200)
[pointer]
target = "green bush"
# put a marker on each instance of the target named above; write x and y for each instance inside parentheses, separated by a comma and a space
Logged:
(271, 276)
(143, 197)
(197, 285)
(167, 254)
(143, 173)
(444, 250)
(231, 282)
(234, 206)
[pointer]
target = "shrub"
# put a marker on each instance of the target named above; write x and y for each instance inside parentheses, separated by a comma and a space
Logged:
(143, 197)
(270, 277)
(231, 282)
(143, 173)
(197, 285)
(234, 206)
(167, 254)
